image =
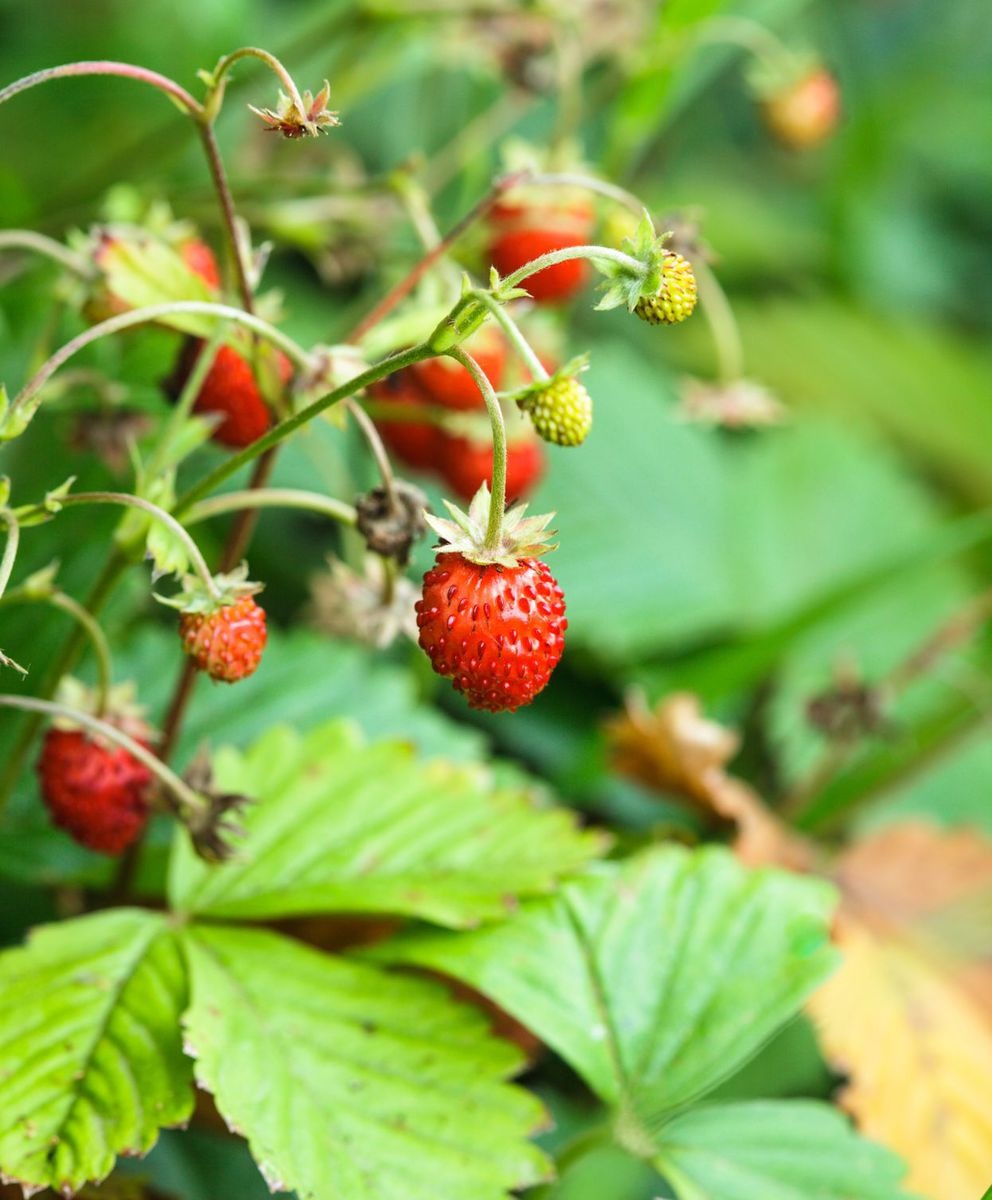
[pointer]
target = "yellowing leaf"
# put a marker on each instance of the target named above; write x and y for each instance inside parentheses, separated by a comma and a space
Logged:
(919, 1055)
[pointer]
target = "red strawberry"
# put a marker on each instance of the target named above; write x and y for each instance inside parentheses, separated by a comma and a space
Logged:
(230, 389)
(415, 443)
(803, 113)
(200, 259)
(225, 641)
(521, 233)
(449, 383)
(465, 465)
(94, 790)
(492, 620)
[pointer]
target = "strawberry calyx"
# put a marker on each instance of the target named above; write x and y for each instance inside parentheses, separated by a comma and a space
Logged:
(120, 709)
(520, 536)
(665, 278)
(228, 589)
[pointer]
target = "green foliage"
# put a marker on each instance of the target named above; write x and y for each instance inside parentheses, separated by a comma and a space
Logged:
(340, 826)
(350, 1085)
(774, 1151)
(90, 1050)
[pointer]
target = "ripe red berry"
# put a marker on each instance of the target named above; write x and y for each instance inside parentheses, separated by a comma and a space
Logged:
(805, 112)
(94, 790)
(226, 642)
(231, 390)
(521, 233)
(465, 465)
(414, 443)
(200, 259)
(449, 384)
(496, 631)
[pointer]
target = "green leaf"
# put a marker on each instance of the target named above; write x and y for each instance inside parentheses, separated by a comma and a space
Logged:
(656, 978)
(774, 1150)
(91, 1057)
(353, 1085)
(343, 826)
(147, 272)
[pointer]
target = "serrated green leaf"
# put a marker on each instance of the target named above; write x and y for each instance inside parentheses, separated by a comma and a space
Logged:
(656, 978)
(147, 272)
(350, 1084)
(91, 1058)
(774, 1150)
(343, 826)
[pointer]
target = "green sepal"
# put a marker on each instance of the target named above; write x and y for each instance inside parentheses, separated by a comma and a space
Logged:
(195, 598)
(465, 533)
(38, 514)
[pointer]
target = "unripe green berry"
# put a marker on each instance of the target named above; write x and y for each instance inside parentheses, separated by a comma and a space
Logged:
(561, 411)
(676, 298)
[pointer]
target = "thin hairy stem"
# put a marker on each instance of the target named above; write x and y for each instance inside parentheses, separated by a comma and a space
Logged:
(497, 499)
(10, 546)
(27, 239)
(105, 67)
(314, 502)
(722, 323)
(513, 332)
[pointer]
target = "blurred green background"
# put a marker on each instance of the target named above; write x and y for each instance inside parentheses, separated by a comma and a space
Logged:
(744, 567)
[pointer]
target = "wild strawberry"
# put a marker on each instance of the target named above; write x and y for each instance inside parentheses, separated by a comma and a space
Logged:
(415, 443)
(222, 629)
(465, 465)
(231, 390)
(805, 112)
(198, 256)
(228, 642)
(450, 385)
(95, 789)
(492, 620)
(560, 409)
(676, 298)
(522, 232)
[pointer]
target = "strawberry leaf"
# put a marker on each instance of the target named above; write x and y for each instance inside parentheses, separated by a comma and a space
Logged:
(349, 1083)
(90, 1052)
(343, 826)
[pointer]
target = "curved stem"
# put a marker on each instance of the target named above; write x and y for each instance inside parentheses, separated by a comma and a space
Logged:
(159, 514)
(98, 640)
(757, 39)
(374, 442)
(105, 67)
(270, 61)
(568, 253)
(590, 184)
(228, 216)
(10, 547)
(144, 316)
(281, 431)
(514, 333)
(229, 502)
(104, 585)
(188, 799)
(497, 499)
(722, 323)
(27, 239)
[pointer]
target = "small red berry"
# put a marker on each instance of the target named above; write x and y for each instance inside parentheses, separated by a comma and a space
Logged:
(522, 233)
(465, 465)
(200, 259)
(95, 790)
(805, 112)
(231, 390)
(226, 642)
(450, 385)
(496, 631)
(414, 443)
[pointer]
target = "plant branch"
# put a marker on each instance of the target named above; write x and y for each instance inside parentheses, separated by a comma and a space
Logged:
(105, 67)
(722, 323)
(27, 239)
(229, 502)
(10, 546)
(513, 332)
(497, 499)
(270, 61)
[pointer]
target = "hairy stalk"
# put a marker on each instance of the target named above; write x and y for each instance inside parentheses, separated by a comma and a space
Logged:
(98, 640)
(326, 506)
(105, 67)
(188, 800)
(269, 60)
(10, 546)
(589, 183)
(722, 323)
(278, 433)
(229, 223)
(757, 39)
(513, 332)
(143, 316)
(27, 239)
(159, 514)
(378, 450)
(497, 499)
(244, 523)
(565, 255)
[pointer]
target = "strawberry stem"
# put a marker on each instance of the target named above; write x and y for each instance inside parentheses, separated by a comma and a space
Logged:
(497, 499)
(104, 67)
(326, 506)
(567, 254)
(10, 547)
(27, 239)
(196, 559)
(722, 323)
(270, 61)
(513, 332)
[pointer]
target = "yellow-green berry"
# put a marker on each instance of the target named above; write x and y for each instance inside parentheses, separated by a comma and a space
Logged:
(561, 411)
(676, 298)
